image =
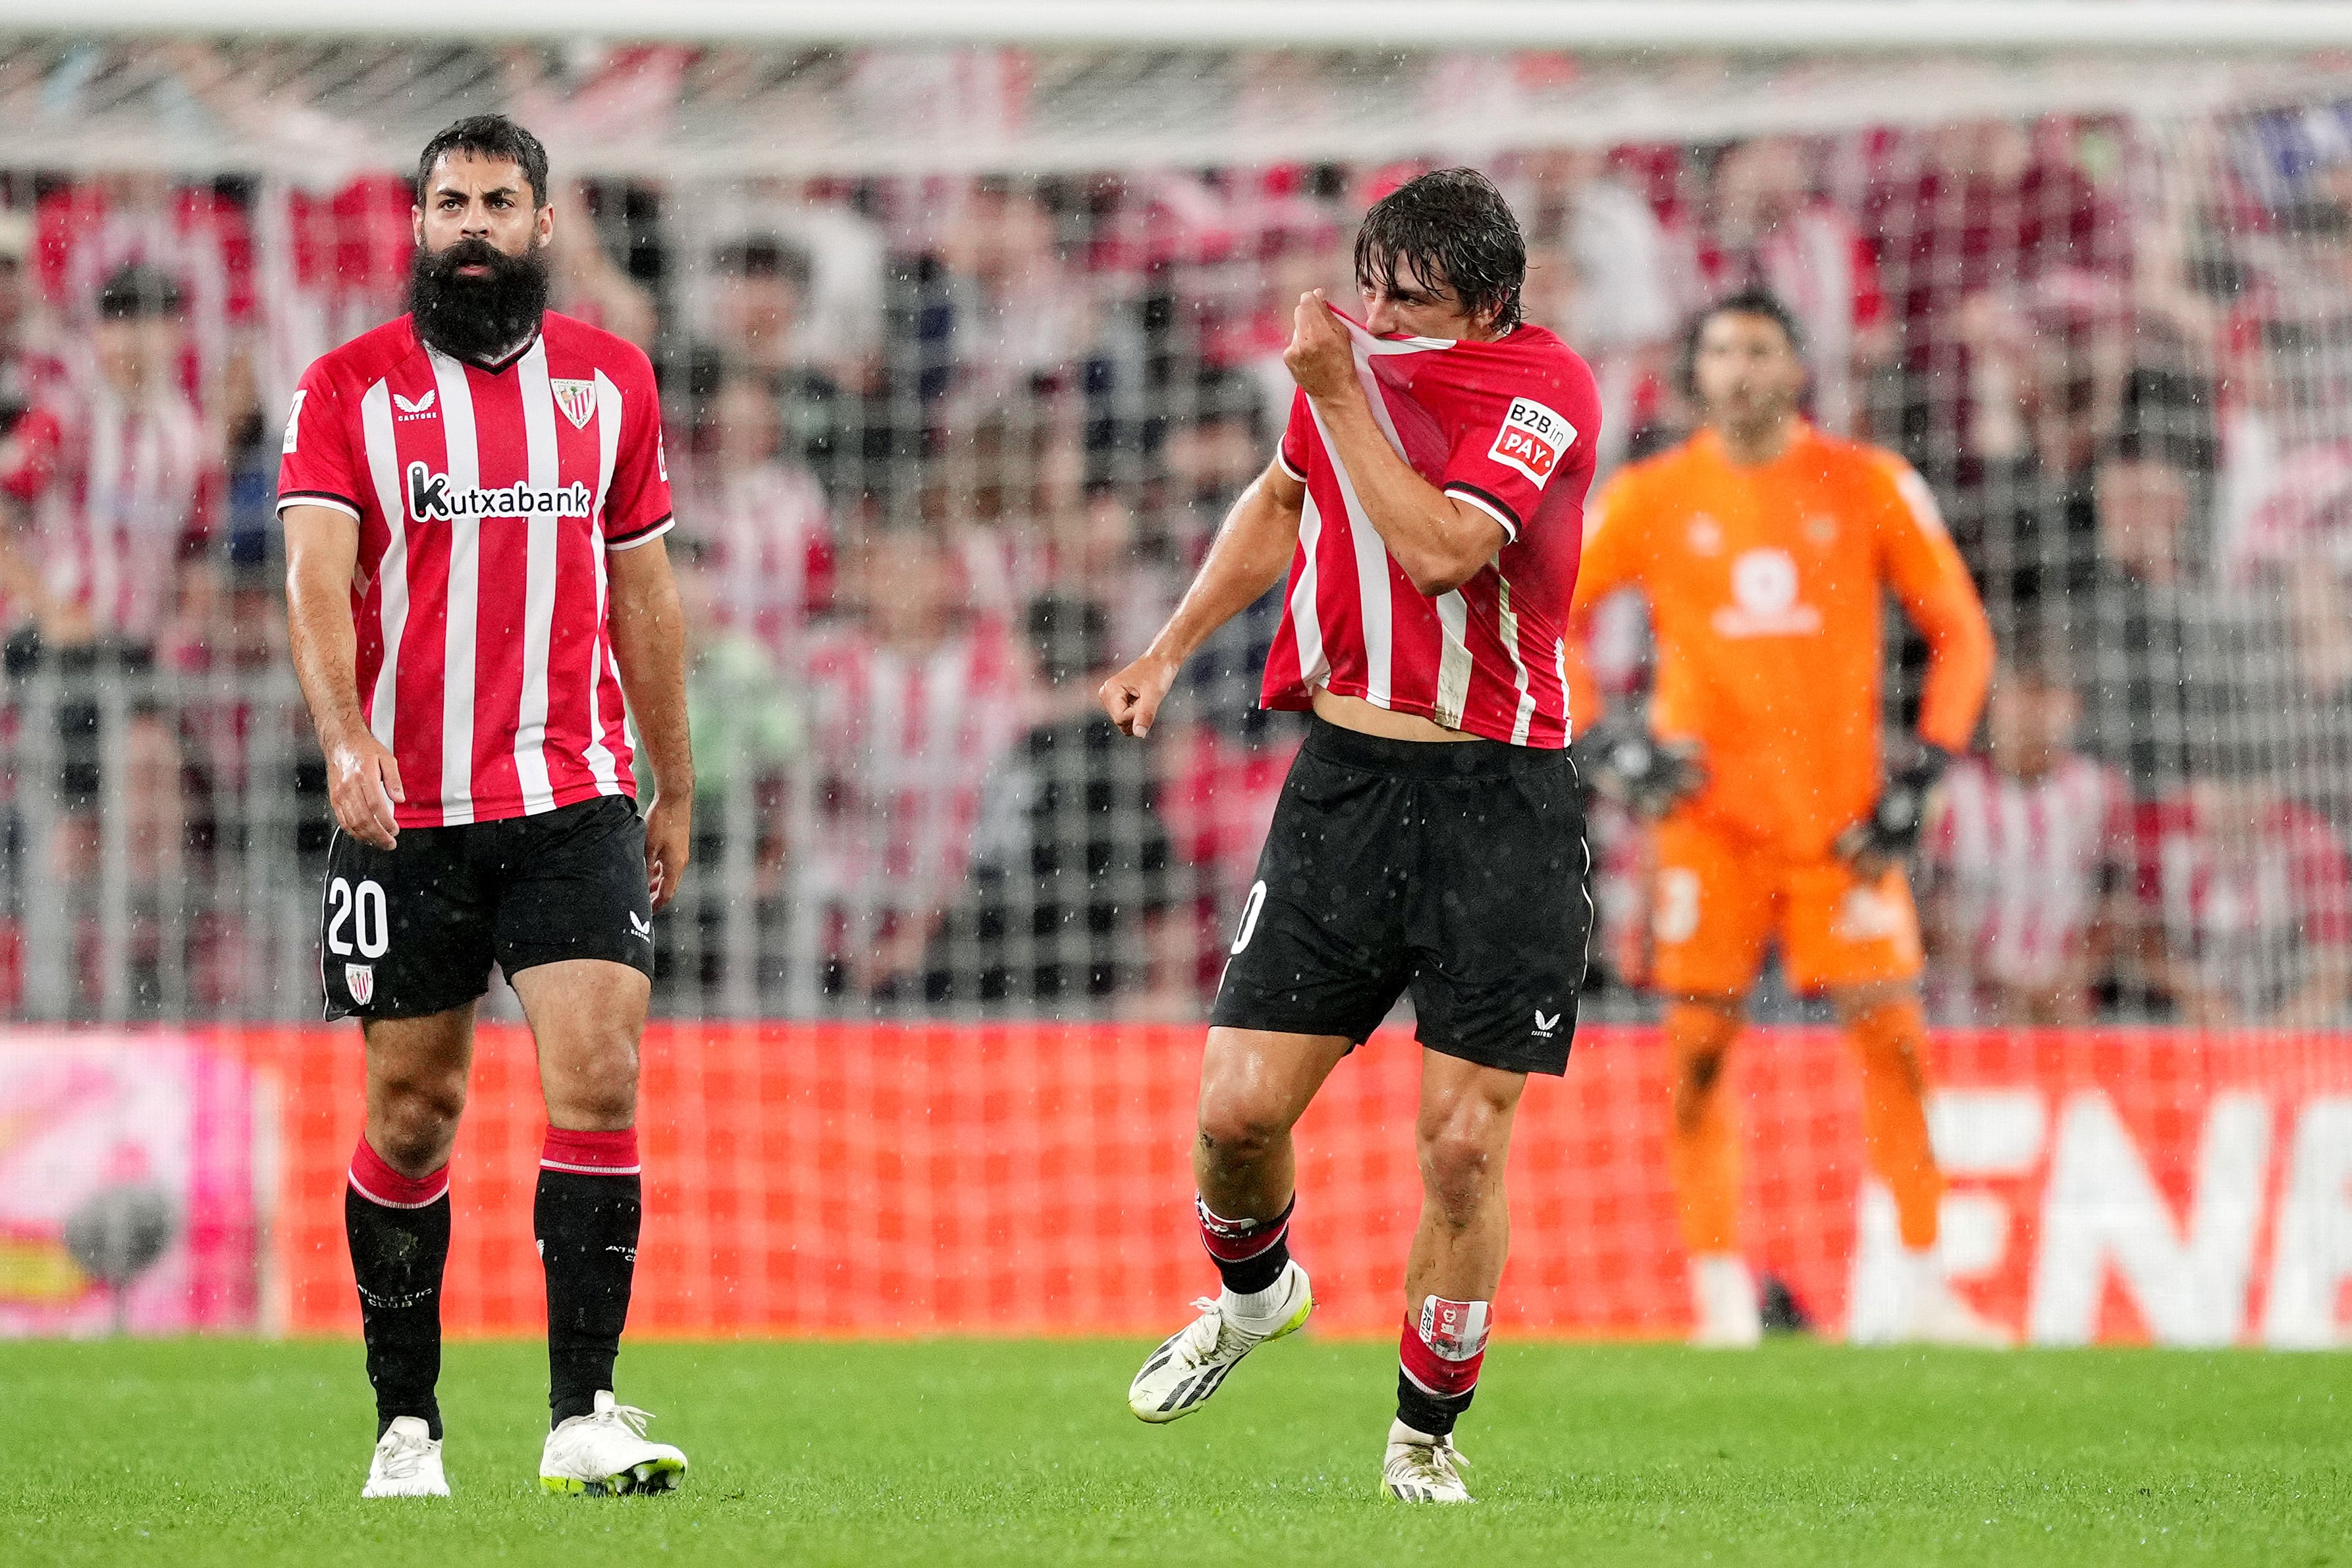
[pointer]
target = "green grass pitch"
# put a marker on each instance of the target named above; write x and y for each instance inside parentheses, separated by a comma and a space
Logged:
(943, 1453)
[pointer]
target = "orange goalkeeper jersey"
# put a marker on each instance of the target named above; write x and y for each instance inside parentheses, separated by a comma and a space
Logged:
(1766, 592)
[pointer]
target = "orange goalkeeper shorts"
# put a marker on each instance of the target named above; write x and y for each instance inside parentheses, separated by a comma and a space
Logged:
(1718, 898)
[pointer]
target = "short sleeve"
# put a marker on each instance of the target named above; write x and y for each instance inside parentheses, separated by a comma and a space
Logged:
(1506, 449)
(1292, 453)
(316, 467)
(638, 506)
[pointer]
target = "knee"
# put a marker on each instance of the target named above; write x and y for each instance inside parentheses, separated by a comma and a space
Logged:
(604, 1093)
(1238, 1128)
(1462, 1159)
(416, 1121)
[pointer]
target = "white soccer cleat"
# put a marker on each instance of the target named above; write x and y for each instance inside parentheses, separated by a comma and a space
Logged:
(1422, 1469)
(607, 1453)
(1723, 1294)
(407, 1462)
(1191, 1363)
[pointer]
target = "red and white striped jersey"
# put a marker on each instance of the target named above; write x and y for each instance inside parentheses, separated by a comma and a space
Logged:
(2026, 861)
(1505, 427)
(767, 541)
(126, 492)
(486, 501)
(2255, 908)
(907, 739)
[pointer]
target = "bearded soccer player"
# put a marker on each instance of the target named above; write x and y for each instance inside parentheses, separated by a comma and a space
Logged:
(474, 497)
(1765, 549)
(1427, 503)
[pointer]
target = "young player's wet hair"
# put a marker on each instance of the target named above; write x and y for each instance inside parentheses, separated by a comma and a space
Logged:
(1450, 226)
(1749, 302)
(488, 136)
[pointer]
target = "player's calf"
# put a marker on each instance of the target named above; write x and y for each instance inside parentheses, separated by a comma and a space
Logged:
(398, 1229)
(587, 1215)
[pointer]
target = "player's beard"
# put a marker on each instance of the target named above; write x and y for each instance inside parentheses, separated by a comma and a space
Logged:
(478, 319)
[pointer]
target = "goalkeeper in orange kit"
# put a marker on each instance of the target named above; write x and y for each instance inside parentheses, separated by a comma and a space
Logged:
(1765, 548)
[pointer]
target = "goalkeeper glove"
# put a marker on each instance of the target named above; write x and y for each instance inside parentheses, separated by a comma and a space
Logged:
(1891, 832)
(1620, 758)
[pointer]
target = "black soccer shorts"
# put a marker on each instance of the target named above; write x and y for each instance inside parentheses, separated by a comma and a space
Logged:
(1454, 871)
(414, 929)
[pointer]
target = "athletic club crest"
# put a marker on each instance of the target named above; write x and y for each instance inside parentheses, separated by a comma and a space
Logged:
(360, 981)
(577, 399)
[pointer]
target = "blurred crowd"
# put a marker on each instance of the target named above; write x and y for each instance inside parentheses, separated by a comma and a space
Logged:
(946, 450)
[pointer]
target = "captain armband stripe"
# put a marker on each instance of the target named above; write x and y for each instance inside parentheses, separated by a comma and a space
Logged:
(1489, 505)
(327, 499)
(643, 536)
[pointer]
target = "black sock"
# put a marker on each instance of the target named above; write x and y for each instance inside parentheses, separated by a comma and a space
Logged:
(1432, 1413)
(590, 1202)
(398, 1227)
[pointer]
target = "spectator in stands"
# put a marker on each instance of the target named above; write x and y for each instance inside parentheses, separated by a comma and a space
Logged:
(2150, 613)
(855, 440)
(757, 516)
(744, 716)
(2023, 850)
(31, 438)
(1095, 551)
(912, 703)
(1995, 232)
(1766, 226)
(1021, 318)
(760, 284)
(24, 364)
(1004, 476)
(741, 707)
(2311, 597)
(2286, 483)
(588, 283)
(1072, 901)
(119, 521)
(110, 576)
(1601, 274)
(2244, 898)
(88, 232)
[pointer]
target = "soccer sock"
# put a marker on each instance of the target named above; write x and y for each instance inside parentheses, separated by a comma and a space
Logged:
(1250, 1254)
(398, 1227)
(1439, 1358)
(590, 1201)
(1893, 1044)
(1703, 1141)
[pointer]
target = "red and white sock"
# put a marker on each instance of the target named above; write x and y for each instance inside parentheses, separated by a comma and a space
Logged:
(1250, 1256)
(1439, 1357)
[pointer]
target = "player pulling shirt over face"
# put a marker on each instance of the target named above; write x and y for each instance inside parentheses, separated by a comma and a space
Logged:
(1427, 506)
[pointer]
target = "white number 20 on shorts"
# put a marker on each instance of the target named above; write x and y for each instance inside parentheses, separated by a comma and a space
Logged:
(365, 911)
(1250, 912)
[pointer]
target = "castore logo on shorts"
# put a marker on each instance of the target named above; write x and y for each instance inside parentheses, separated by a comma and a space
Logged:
(431, 499)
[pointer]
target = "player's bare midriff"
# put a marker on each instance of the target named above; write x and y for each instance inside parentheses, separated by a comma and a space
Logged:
(1367, 718)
